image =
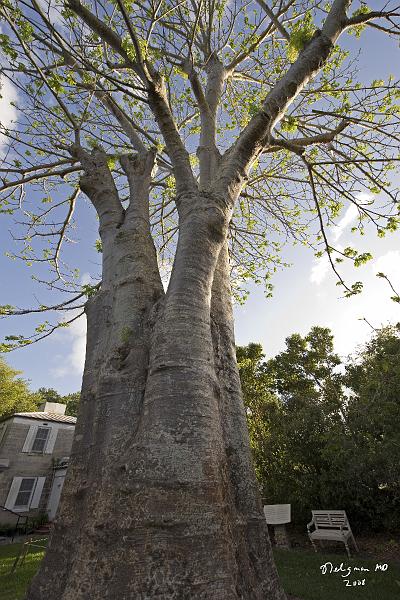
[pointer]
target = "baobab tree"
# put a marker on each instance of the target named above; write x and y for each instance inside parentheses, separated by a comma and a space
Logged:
(198, 130)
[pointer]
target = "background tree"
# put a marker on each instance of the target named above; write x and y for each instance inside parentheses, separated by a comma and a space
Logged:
(324, 437)
(50, 395)
(296, 429)
(131, 104)
(311, 393)
(372, 417)
(264, 414)
(70, 400)
(15, 395)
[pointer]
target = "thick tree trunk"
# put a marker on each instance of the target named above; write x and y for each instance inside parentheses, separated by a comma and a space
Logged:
(160, 500)
(256, 572)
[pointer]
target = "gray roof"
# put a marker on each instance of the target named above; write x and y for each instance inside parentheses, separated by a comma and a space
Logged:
(44, 416)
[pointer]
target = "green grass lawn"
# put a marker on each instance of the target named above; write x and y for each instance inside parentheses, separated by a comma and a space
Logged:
(13, 586)
(299, 571)
(301, 576)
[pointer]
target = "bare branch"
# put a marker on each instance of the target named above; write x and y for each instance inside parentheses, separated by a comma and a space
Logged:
(328, 248)
(274, 19)
(362, 18)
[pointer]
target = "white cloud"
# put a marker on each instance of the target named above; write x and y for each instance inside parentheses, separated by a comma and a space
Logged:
(389, 264)
(373, 304)
(8, 113)
(348, 217)
(74, 361)
(75, 337)
(319, 269)
(320, 266)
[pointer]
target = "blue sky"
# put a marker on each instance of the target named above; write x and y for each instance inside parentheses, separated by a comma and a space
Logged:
(305, 294)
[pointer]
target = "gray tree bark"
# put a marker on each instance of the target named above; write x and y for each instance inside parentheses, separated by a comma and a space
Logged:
(160, 500)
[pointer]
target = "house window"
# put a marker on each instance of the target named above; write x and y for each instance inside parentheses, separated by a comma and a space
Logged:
(40, 441)
(25, 492)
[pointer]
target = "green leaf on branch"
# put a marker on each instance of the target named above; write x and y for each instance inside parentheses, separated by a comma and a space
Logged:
(361, 259)
(358, 29)
(89, 290)
(301, 33)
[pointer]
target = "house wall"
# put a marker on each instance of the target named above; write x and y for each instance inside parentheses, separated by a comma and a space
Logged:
(25, 464)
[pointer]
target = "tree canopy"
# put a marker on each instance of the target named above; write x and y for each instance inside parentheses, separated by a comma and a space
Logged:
(70, 400)
(268, 90)
(15, 395)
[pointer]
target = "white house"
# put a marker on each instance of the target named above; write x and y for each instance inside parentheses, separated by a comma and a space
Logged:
(34, 452)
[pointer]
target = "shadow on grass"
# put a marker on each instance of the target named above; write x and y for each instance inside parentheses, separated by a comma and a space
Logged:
(299, 571)
(14, 585)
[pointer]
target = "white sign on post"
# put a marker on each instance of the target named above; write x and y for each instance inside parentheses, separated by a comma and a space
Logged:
(277, 514)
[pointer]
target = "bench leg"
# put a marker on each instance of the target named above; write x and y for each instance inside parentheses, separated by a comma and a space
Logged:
(355, 544)
(314, 545)
(347, 549)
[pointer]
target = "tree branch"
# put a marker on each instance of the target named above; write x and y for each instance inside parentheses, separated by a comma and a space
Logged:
(274, 19)
(250, 143)
(297, 145)
(157, 99)
(366, 17)
(105, 32)
(98, 184)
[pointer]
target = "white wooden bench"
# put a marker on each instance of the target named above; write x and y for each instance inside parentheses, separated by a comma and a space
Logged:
(331, 525)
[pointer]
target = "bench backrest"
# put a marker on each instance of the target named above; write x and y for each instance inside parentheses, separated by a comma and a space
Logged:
(330, 519)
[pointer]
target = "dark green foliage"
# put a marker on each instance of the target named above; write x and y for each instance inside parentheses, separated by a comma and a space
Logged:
(373, 421)
(324, 436)
(49, 395)
(15, 395)
(71, 400)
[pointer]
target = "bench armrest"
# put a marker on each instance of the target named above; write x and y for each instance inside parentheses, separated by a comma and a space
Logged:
(309, 525)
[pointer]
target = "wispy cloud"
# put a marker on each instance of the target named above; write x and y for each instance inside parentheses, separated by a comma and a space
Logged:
(75, 337)
(389, 265)
(349, 216)
(320, 267)
(374, 304)
(8, 112)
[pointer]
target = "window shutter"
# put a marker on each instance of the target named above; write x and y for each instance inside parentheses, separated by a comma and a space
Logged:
(12, 494)
(37, 494)
(51, 440)
(27, 447)
(3, 429)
